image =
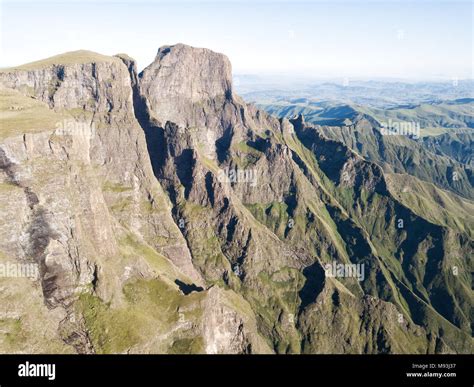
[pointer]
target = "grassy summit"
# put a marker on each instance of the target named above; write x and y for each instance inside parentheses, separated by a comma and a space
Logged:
(67, 58)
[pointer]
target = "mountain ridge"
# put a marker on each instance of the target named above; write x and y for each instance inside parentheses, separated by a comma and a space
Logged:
(259, 283)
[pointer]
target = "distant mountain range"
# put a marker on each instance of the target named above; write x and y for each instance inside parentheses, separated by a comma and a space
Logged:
(379, 94)
(433, 118)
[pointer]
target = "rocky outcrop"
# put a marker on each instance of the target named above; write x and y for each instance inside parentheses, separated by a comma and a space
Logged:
(229, 325)
(182, 81)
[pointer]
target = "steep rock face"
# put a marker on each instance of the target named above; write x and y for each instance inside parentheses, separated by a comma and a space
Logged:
(99, 85)
(226, 242)
(183, 85)
(90, 213)
(183, 74)
(100, 133)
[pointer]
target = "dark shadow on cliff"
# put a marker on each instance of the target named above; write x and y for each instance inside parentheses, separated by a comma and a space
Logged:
(154, 134)
(187, 288)
(314, 284)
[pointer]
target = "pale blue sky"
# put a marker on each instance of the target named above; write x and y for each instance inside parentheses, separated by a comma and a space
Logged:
(413, 40)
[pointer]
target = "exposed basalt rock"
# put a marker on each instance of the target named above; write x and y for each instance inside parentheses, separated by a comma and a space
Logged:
(101, 88)
(181, 80)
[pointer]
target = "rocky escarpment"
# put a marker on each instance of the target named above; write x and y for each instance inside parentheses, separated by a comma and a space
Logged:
(81, 201)
(317, 196)
(167, 215)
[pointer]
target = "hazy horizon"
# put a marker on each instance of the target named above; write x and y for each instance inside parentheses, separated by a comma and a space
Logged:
(312, 39)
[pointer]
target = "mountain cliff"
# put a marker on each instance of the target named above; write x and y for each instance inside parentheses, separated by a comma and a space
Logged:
(166, 215)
